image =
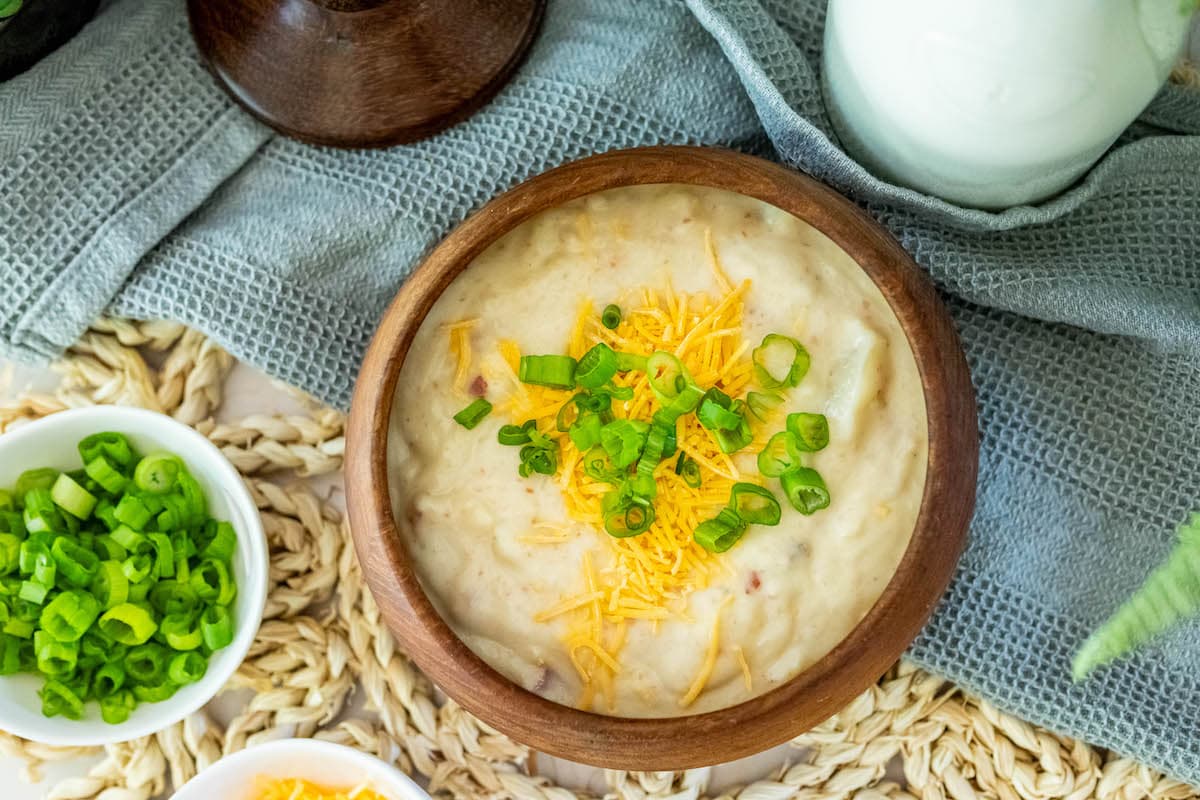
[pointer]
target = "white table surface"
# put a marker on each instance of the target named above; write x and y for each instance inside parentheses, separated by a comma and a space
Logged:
(249, 391)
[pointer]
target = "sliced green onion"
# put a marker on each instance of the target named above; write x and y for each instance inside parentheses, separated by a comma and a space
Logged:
(568, 412)
(103, 472)
(133, 512)
(157, 473)
(540, 456)
(196, 506)
(112, 445)
(714, 412)
(689, 470)
(597, 367)
(41, 514)
(585, 432)
(181, 631)
(598, 466)
(631, 362)
(780, 361)
(137, 568)
(20, 628)
(12, 522)
(108, 679)
(595, 401)
(10, 553)
(68, 616)
(156, 693)
(147, 663)
(115, 708)
(670, 380)
(632, 520)
(34, 592)
(556, 372)
(104, 512)
(54, 658)
(811, 431)
(6, 501)
(186, 668)
(164, 555)
(60, 699)
(652, 454)
(217, 627)
(211, 583)
(611, 317)
(623, 440)
(754, 504)
(730, 441)
(222, 545)
(10, 655)
(473, 414)
(805, 489)
(173, 598)
(32, 479)
(110, 586)
(73, 498)
(780, 455)
(720, 533)
(128, 624)
(513, 435)
(109, 549)
(762, 404)
(77, 564)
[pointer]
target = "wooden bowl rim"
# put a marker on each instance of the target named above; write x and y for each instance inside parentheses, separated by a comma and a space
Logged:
(807, 699)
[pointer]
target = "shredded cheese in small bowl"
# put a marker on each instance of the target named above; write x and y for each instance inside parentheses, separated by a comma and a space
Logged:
(299, 789)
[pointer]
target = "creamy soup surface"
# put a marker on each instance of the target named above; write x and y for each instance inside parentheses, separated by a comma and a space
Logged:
(495, 551)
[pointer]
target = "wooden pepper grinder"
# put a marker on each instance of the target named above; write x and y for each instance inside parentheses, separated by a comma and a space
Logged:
(363, 73)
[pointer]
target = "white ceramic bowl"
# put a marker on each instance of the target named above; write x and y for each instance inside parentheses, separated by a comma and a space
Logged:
(325, 763)
(51, 442)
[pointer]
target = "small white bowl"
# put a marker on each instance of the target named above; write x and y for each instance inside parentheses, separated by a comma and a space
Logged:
(51, 442)
(332, 765)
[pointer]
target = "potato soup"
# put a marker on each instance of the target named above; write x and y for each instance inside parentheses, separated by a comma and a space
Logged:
(657, 450)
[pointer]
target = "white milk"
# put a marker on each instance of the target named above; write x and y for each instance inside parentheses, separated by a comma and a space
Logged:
(993, 103)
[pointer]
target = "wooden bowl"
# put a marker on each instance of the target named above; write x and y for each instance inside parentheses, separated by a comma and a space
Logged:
(813, 695)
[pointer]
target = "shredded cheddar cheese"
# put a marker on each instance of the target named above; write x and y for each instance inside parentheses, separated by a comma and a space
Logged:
(298, 789)
(710, 659)
(747, 678)
(460, 348)
(649, 577)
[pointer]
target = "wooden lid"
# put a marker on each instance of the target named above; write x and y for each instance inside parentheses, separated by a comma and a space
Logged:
(363, 73)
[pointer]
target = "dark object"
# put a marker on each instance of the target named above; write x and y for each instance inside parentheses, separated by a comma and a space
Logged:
(39, 28)
(363, 73)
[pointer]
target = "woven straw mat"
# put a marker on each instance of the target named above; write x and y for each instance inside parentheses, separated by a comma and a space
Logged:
(322, 641)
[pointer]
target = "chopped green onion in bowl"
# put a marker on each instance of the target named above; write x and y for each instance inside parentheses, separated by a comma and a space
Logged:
(64, 585)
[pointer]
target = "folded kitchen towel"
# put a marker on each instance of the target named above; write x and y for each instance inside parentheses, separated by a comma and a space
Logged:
(128, 182)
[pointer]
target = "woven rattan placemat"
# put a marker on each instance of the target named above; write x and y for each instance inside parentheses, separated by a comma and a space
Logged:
(322, 641)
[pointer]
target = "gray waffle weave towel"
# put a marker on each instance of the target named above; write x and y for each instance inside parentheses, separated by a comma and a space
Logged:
(128, 182)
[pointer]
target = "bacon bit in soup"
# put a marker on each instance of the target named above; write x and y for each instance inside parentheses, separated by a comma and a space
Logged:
(753, 583)
(478, 387)
(298, 789)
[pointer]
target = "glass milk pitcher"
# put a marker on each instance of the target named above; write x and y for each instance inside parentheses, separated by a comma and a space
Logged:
(993, 103)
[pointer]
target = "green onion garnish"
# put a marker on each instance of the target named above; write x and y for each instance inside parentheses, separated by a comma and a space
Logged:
(811, 431)
(754, 504)
(611, 317)
(720, 533)
(689, 470)
(515, 434)
(473, 414)
(714, 412)
(623, 440)
(780, 455)
(9, 8)
(628, 362)
(597, 367)
(761, 404)
(632, 520)
(805, 489)
(780, 361)
(555, 372)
